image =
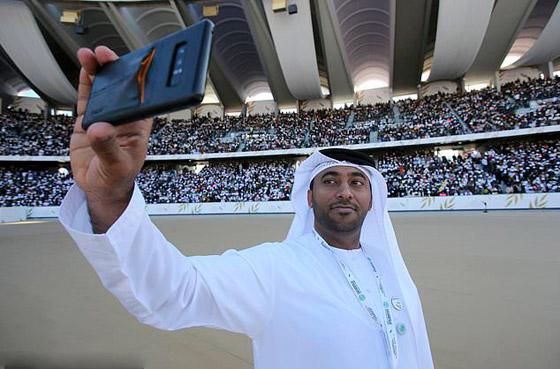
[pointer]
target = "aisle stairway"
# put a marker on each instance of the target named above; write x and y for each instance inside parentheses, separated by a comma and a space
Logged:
(465, 125)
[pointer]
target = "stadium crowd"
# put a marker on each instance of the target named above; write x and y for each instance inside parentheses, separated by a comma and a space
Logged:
(432, 116)
(423, 118)
(32, 187)
(218, 182)
(23, 133)
(521, 167)
(532, 89)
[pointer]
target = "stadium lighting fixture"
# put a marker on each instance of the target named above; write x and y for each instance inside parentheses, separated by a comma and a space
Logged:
(70, 17)
(279, 5)
(210, 11)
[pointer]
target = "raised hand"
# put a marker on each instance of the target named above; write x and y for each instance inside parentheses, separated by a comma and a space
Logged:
(105, 159)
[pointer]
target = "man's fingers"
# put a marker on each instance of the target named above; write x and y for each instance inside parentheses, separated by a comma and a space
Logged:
(84, 88)
(105, 55)
(88, 60)
(103, 140)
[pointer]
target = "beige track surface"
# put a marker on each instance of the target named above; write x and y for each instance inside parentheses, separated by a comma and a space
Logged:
(490, 284)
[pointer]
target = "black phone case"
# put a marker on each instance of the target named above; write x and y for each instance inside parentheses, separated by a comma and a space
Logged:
(164, 76)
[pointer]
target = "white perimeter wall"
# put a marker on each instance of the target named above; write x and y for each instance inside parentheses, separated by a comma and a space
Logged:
(443, 203)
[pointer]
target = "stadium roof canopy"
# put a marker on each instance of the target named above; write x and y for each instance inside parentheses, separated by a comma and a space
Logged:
(327, 48)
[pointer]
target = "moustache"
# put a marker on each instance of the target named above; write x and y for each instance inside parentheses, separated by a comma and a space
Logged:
(344, 204)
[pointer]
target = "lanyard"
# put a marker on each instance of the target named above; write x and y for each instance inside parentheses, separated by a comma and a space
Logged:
(386, 323)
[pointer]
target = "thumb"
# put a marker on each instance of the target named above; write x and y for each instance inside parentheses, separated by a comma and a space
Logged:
(103, 140)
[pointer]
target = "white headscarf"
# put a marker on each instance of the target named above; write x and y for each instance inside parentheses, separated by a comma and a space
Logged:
(377, 236)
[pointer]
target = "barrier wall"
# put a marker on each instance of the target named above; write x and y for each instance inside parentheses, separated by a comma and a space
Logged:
(15, 214)
(537, 201)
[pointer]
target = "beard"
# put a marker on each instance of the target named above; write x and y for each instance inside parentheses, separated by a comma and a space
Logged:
(337, 222)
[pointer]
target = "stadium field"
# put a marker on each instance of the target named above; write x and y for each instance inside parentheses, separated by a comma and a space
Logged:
(489, 283)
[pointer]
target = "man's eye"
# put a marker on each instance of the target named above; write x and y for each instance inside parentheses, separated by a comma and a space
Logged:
(328, 181)
(358, 182)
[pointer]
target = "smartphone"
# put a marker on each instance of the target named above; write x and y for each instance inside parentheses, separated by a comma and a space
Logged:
(164, 76)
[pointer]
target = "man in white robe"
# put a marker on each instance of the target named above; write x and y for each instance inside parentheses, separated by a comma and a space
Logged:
(334, 294)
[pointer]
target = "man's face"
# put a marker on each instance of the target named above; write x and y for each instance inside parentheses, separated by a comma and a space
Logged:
(340, 198)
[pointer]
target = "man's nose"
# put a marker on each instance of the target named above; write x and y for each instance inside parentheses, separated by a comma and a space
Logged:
(345, 192)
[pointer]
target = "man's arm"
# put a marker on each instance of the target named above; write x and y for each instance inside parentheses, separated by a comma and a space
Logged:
(105, 214)
(163, 288)
(105, 159)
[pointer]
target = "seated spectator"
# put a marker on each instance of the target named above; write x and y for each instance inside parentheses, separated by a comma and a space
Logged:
(517, 167)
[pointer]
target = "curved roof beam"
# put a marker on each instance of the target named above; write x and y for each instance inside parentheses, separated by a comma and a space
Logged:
(528, 35)
(267, 54)
(257, 88)
(246, 57)
(101, 39)
(293, 35)
(547, 47)
(362, 11)
(159, 26)
(358, 25)
(507, 20)
(366, 59)
(224, 37)
(239, 45)
(460, 32)
(360, 50)
(224, 85)
(341, 84)
(230, 20)
(130, 39)
(368, 32)
(152, 11)
(35, 61)
(411, 31)
(10, 80)
(66, 42)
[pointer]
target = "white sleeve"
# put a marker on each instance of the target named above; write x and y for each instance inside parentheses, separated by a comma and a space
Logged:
(163, 288)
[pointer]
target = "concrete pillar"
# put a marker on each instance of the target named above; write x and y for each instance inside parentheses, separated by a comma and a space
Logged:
(496, 81)
(460, 84)
(419, 91)
(47, 112)
(1, 113)
(547, 69)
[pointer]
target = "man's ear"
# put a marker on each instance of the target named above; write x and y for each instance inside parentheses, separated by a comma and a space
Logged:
(310, 198)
